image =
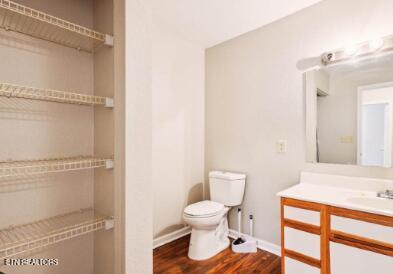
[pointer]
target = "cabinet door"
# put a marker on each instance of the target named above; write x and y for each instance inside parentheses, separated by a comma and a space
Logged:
(296, 267)
(345, 259)
(302, 242)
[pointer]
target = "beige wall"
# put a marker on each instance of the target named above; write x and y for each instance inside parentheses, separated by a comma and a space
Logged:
(120, 129)
(104, 135)
(178, 127)
(137, 194)
(254, 96)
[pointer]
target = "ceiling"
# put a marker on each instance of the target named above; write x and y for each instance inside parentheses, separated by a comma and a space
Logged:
(210, 22)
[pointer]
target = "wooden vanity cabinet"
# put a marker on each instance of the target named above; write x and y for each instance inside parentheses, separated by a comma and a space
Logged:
(318, 238)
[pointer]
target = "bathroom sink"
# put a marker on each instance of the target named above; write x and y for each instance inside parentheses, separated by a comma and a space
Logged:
(378, 203)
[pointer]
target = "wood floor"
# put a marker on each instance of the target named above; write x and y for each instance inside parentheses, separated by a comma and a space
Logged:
(172, 258)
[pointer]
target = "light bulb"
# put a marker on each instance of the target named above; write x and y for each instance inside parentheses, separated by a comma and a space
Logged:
(376, 44)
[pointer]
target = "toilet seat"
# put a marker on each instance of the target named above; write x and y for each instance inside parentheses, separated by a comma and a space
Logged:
(203, 209)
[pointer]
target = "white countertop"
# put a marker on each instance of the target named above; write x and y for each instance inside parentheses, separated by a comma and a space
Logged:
(344, 197)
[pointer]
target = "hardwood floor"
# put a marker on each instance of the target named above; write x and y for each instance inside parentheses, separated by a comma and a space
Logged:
(172, 258)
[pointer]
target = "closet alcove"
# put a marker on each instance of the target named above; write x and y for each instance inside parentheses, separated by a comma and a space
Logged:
(57, 135)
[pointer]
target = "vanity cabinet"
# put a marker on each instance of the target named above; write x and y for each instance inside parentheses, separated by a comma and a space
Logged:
(318, 238)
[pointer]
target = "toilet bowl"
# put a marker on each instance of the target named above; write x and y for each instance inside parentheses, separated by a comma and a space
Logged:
(209, 234)
(208, 219)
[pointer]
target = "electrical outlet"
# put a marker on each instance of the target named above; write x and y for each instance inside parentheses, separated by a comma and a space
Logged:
(281, 146)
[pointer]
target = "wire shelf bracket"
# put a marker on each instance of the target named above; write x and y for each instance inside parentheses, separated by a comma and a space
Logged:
(50, 95)
(22, 19)
(9, 169)
(19, 239)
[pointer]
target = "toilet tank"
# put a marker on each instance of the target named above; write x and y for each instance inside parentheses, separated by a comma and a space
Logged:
(226, 187)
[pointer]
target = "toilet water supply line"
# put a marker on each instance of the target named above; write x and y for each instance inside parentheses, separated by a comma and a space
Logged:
(251, 221)
(239, 221)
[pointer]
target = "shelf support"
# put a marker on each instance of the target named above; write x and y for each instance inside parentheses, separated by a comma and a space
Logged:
(109, 223)
(109, 164)
(108, 40)
(109, 102)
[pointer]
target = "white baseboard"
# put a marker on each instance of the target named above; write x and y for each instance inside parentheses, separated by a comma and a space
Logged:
(170, 237)
(261, 244)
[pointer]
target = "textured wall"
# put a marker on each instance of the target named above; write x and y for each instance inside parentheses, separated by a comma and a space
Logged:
(138, 131)
(178, 127)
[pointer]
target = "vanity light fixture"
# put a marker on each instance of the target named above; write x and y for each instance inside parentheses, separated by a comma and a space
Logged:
(365, 49)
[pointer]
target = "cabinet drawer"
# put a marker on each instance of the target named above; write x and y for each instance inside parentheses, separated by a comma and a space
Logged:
(302, 242)
(363, 229)
(295, 267)
(302, 215)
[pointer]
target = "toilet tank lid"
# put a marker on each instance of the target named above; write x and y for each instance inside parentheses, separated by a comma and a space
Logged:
(226, 175)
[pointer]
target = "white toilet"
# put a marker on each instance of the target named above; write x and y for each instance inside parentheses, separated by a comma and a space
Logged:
(208, 219)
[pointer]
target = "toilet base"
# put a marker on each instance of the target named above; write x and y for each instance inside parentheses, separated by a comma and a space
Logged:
(204, 244)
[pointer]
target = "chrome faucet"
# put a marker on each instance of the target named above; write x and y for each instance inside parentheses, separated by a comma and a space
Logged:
(387, 194)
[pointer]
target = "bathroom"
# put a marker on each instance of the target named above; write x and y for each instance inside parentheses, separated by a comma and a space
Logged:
(204, 92)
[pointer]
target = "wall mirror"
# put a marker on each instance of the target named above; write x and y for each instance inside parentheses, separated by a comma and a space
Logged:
(350, 112)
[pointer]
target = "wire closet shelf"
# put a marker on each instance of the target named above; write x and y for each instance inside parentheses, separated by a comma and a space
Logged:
(10, 169)
(38, 24)
(15, 91)
(30, 237)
